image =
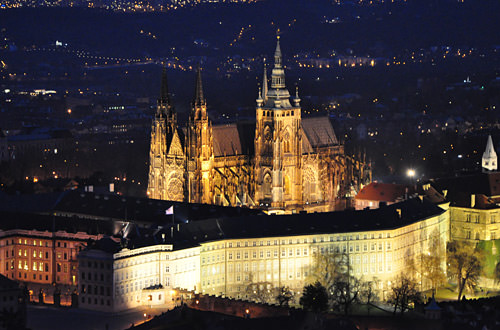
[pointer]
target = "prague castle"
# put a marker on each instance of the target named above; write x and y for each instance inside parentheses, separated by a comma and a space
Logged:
(289, 164)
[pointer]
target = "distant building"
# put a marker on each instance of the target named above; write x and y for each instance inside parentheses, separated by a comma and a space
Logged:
(41, 251)
(4, 148)
(40, 141)
(12, 304)
(95, 269)
(474, 210)
(285, 163)
(377, 194)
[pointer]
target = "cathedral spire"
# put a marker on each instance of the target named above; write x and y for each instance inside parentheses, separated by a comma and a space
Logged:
(164, 95)
(277, 54)
(264, 82)
(278, 74)
(198, 93)
(489, 161)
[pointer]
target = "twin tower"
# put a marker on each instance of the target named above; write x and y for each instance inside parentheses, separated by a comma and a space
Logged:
(283, 164)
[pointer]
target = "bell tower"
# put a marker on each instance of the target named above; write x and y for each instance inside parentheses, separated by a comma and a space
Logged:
(199, 149)
(278, 143)
(489, 161)
(166, 156)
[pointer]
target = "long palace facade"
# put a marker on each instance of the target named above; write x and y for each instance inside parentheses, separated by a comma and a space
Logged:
(289, 164)
(225, 256)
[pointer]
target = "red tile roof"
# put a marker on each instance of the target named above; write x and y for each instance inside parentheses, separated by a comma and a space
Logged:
(383, 192)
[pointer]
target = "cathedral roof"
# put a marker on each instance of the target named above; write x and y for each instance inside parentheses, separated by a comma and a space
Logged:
(319, 132)
(306, 144)
(233, 139)
(226, 140)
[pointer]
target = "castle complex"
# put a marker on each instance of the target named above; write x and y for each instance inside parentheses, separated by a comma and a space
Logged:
(290, 164)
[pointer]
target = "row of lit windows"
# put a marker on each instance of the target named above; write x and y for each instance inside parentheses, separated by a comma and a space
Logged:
(34, 242)
(299, 241)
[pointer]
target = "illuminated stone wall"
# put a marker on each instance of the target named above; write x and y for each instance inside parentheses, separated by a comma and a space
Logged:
(228, 266)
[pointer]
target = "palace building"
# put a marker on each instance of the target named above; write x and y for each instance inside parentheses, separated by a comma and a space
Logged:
(224, 256)
(285, 163)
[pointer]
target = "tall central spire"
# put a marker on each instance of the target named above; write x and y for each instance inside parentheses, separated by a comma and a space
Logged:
(198, 93)
(278, 74)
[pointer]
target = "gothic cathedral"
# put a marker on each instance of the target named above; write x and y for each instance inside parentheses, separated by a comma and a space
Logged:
(285, 163)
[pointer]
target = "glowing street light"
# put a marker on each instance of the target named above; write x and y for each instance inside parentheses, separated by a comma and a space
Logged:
(410, 173)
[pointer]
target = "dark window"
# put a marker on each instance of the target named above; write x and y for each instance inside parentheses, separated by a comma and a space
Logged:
(65, 255)
(46, 255)
(65, 245)
(46, 267)
(83, 288)
(58, 244)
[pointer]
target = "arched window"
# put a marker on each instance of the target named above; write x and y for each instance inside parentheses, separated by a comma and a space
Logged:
(266, 186)
(286, 142)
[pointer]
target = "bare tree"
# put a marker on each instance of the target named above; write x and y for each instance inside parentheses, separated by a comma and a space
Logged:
(333, 270)
(325, 267)
(285, 296)
(432, 273)
(464, 265)
(261, 292)
(368, 294)
(345, 292)
(404, 292)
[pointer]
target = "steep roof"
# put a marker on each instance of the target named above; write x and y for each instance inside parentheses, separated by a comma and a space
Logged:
(319, 132)
(226, 140)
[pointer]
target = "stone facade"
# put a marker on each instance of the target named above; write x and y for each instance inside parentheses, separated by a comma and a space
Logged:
(290, 164)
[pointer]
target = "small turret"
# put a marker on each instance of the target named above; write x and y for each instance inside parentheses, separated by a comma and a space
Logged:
(296, 99)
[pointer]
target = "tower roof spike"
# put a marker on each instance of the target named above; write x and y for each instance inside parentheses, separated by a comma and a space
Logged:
(164, 95)
(264, 82)
(198, 94)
